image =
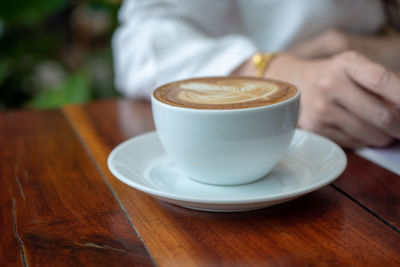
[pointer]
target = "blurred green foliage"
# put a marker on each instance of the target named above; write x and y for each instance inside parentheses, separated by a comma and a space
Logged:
(54, 52)
(76, 88)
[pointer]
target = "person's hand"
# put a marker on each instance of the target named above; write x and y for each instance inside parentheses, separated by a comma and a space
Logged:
(384, 49)
(347, 98)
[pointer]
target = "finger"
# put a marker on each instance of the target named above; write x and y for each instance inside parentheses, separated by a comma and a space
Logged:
(341, 138)
(358, 129)
(371, 109)
(372, 76)
(311, 122)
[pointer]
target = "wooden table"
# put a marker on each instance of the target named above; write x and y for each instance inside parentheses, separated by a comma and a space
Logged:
(60, 205)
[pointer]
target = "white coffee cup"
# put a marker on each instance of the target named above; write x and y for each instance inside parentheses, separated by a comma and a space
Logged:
(228, 146)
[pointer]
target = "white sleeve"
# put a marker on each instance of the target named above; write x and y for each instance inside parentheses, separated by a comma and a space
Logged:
(156, 44)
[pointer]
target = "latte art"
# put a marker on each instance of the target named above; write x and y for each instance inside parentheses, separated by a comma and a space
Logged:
(221, 93)
(224, 93)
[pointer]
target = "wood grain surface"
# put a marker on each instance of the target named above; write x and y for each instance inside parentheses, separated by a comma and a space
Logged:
(375, 188)
(325, 227)
(56, 209)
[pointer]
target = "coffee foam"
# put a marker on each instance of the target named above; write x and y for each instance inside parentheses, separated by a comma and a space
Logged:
(224, 93)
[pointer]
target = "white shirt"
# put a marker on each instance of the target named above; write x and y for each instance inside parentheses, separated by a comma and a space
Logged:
(160, 41)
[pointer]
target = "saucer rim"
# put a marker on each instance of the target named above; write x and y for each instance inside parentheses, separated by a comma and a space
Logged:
(164, 195)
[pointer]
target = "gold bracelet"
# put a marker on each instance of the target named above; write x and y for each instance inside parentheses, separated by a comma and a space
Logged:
(261, 62)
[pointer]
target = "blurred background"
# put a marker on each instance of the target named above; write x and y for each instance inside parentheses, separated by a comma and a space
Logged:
(54, 52)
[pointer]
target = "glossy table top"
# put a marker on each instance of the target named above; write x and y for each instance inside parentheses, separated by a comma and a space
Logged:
(61, 206)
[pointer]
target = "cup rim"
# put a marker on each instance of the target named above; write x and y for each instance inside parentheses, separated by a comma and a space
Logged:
(198, 110)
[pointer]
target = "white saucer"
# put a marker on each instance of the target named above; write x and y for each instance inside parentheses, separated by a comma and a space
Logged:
(311, 163)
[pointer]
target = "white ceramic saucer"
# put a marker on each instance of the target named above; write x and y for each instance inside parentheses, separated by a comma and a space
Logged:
(311, 163)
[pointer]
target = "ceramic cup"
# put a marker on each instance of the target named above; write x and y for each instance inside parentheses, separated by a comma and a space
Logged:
(229, 146)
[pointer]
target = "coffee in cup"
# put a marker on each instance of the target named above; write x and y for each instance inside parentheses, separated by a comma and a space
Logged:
(226, 130)
(224, 93)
